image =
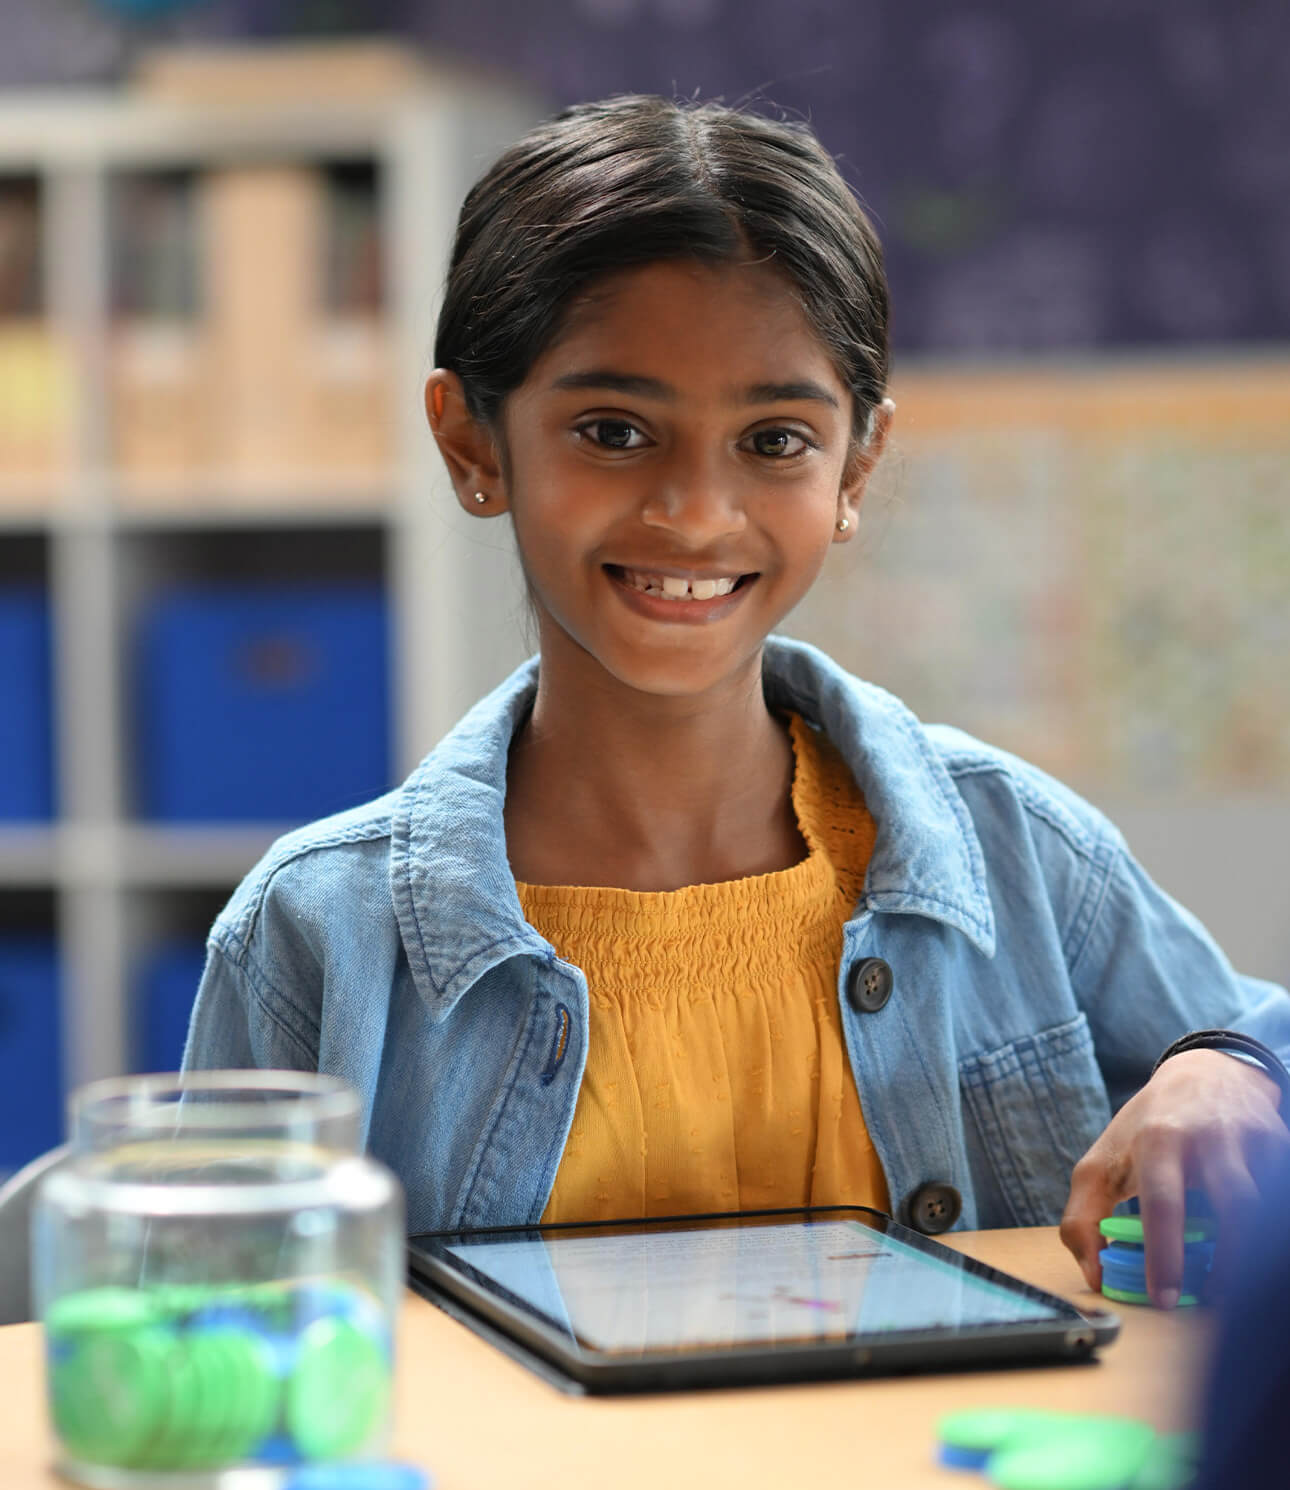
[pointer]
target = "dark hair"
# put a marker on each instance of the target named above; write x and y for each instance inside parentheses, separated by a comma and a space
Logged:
(632, 180)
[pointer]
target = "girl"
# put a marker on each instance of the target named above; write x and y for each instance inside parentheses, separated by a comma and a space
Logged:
(683, 917)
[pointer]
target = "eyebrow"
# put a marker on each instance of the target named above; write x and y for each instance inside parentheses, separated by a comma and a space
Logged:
(600, 377)
(782, 393)
(755, 393)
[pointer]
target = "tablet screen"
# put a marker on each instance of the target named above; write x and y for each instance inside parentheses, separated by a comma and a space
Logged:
(663, 1288)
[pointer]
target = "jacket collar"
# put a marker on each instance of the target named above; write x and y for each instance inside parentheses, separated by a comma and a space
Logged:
(454, 894)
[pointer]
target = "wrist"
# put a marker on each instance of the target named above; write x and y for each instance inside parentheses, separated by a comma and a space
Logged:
(1244, 1047)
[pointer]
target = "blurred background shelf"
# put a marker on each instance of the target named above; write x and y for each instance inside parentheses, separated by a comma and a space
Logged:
(132, 855)
(28, 856)
(219, 507)
(212, 500)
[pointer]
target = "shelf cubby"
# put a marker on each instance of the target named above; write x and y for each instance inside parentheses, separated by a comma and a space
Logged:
(214, 325)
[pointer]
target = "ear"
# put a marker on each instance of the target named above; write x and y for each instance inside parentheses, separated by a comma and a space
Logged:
(466, 444)
(863, 457)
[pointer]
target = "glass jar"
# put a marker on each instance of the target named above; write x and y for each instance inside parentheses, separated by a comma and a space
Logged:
(218, 1270)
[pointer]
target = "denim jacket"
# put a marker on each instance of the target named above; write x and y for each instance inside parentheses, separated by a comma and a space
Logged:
(1038, 972)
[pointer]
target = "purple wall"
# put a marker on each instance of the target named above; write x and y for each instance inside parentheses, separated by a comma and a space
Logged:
(1109, 172)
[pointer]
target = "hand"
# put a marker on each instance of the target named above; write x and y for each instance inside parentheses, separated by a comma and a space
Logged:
(1204, 1120)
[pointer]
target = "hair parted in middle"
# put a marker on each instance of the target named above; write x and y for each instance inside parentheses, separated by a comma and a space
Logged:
(605, 187)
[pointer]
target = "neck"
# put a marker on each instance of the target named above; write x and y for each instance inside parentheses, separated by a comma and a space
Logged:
(609, 786)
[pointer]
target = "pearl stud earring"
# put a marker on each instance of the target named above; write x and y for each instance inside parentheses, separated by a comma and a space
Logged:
(481, 497)
(843, 524)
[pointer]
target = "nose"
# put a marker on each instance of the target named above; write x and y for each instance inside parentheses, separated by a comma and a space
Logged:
(697, 503)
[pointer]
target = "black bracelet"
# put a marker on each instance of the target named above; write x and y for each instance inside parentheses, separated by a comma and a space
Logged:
(1235, 1043)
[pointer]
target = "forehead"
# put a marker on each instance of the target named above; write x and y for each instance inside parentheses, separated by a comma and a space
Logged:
(742, 321)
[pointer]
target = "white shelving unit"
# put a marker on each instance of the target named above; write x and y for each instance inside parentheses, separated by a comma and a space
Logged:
(114, 882)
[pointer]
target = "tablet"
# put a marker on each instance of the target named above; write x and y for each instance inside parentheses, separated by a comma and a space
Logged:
(761, 1296)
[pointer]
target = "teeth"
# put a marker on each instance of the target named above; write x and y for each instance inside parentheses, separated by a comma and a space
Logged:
(675, 588)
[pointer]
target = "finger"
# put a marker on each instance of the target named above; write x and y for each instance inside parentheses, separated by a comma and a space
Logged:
(1097, 1184)
(1267, 1153)
(1162, 1199)
(1233, 1193)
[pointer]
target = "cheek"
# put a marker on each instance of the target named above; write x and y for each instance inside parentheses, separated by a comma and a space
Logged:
(810, 560)
(807, 534)
(531, 551)
(559, 519)
(548, 545)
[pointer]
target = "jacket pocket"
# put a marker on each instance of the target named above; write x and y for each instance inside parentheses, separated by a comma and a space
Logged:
(1033, 1108)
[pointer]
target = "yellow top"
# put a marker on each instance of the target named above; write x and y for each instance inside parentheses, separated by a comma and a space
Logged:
(716, 1077)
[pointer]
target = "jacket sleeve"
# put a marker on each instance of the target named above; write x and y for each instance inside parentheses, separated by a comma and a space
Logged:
(239, 1020)
(1148, 972)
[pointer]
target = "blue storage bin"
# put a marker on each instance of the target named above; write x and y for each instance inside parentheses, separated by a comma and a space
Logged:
(263, 703)
(31, 1068)
(163, 1004)
(26, 714)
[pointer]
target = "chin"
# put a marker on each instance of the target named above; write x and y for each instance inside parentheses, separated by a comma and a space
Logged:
(677, 674)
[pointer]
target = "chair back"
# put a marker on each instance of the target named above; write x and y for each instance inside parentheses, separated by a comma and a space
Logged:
(16, 1196)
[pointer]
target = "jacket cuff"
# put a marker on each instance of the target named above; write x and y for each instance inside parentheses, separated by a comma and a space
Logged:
(1233, 1042)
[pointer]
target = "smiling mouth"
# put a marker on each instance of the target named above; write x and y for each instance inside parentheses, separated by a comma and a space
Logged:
(678, 587)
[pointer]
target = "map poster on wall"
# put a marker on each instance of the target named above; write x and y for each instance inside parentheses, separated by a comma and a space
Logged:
(1089, 566)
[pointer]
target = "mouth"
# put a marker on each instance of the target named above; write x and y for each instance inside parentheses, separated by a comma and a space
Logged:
(678, 586)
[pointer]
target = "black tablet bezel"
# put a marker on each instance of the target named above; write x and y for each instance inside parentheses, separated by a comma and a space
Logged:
(516, 1326)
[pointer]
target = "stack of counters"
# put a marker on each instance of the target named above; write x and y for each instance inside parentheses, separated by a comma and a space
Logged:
(1029, 1449)
(109, 1363)
(1124, 1265)
(194, 1377)
(338, 1390)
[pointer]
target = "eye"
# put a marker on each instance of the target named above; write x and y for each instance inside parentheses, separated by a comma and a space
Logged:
(780, 444)
(612, 434)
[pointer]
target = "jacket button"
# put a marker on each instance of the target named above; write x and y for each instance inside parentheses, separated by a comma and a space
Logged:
(933, 1207)
(869, 985)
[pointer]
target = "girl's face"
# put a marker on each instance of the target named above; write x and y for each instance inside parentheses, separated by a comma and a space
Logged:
(679, 460)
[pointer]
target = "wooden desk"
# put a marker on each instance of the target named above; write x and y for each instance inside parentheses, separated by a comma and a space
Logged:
(481, 1422)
